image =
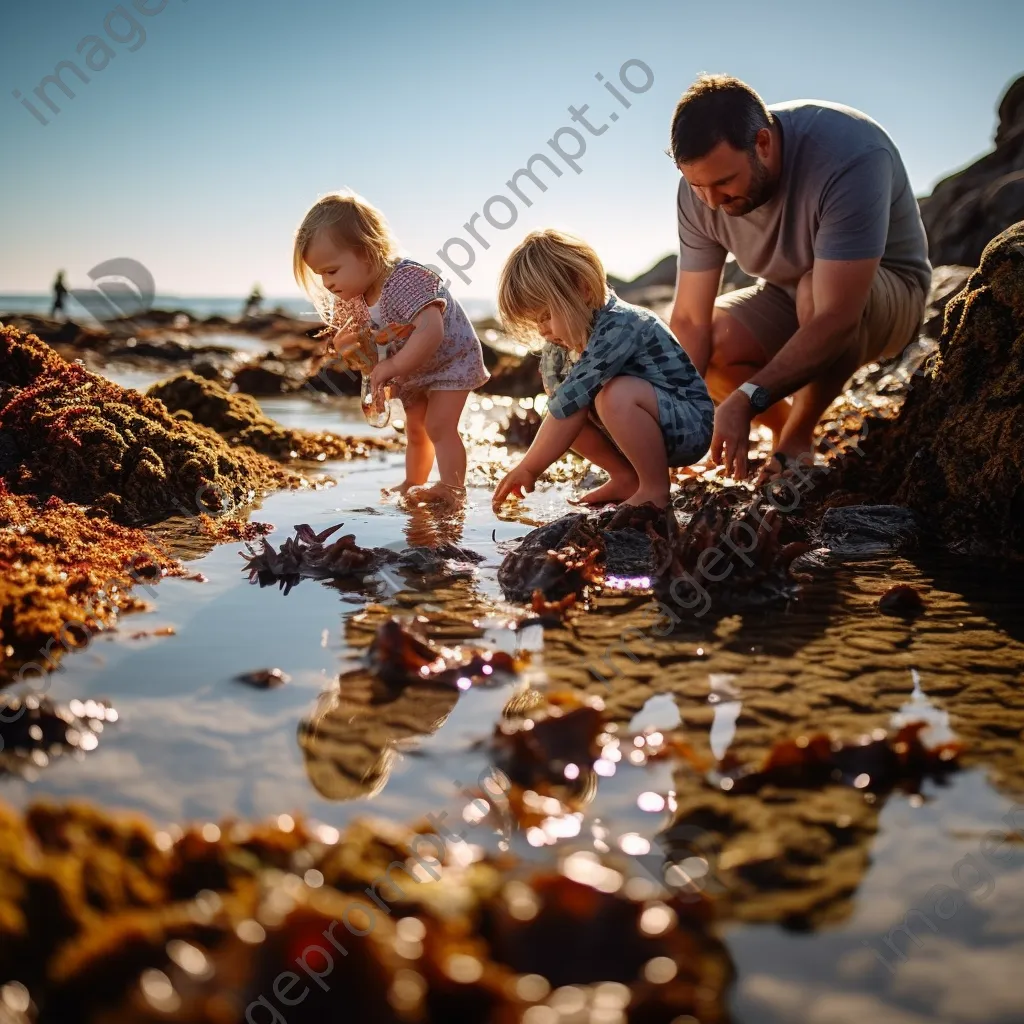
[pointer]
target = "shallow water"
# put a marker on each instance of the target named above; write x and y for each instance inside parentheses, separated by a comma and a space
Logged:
(192, 743)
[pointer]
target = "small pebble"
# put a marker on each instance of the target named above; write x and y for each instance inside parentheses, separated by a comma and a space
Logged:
(264, 678)
(902, 600)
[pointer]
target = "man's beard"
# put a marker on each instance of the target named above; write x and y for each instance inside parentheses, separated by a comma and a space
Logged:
(762, 188)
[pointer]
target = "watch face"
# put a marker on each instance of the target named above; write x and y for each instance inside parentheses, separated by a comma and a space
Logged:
(760, 399)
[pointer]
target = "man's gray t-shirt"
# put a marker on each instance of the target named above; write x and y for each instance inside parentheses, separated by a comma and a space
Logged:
(844, 194)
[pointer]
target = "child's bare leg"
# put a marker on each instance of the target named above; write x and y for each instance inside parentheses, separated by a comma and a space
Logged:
(442, 426)
(628, 407)
(419, 451)
(593, 445)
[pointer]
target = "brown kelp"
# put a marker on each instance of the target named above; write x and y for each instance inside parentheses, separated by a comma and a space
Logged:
(728, 556)
(306, 556)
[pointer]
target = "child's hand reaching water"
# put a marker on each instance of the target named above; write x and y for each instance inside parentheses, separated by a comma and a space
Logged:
(517, 481)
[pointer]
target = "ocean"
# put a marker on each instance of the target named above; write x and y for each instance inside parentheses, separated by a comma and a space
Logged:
(202, 306)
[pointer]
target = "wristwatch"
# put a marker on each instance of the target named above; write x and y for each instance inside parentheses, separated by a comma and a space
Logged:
(760, 398)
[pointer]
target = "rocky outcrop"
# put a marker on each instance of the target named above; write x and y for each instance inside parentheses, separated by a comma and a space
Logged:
(969, 208)
(956, 453)
(74, 434)
(240, 420)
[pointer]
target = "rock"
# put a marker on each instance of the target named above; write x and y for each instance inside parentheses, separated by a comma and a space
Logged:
(901, 600)
(956, 453)
(573, 552)
(35, 730)
(165, 347)
(947, 282)
(859, 531)
(512, 375)
(57, 332)
(264, 678)
(91, 441)
(268, 376)
(969, 208)
(520, 427)
(239, 418)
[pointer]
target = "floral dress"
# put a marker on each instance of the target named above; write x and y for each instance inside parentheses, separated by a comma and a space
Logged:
(458, 362)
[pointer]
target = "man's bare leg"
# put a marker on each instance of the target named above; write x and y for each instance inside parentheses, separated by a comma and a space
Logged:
(810, 402)
(736, 355)
(593, 445)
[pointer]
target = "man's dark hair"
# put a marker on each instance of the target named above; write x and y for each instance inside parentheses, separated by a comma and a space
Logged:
(717, 108)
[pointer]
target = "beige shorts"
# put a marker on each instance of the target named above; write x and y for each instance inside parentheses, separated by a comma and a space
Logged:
(891, 318)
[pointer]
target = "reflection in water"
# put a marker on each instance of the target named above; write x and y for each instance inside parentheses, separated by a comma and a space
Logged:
(351, 740)
(920, 708)
(727, 711)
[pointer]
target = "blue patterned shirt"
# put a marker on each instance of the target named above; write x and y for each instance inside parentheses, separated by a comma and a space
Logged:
(625, 341)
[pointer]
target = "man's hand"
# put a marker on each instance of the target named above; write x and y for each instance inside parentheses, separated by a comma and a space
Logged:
(517, 481)
(732, 435)
(382, 373)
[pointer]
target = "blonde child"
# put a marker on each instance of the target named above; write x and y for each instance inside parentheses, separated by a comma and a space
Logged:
(622, 392)
(345, 259)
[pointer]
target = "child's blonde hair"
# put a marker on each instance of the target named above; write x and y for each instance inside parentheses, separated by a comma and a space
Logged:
(554, 270)
(353, 223)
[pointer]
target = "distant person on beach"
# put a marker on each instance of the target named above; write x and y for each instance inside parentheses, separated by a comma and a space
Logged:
(60, 291)
(812, 199)
(252, 304)
(347, 244)
(622, 392)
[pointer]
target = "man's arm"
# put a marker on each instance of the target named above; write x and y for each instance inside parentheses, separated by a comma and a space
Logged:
(840, 290)
(692, 309)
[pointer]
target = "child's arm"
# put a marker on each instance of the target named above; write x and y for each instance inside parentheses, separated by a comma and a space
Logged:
(553, 440)
(422, 344)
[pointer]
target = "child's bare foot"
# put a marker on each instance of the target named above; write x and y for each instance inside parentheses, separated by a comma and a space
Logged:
(402, 488)
(643, 496)
(439, 494)
(613, 491)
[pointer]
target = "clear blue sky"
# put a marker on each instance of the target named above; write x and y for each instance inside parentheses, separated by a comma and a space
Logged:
(198, 153)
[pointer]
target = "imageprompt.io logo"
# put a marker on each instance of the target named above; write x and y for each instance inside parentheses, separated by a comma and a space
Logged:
(123, 288)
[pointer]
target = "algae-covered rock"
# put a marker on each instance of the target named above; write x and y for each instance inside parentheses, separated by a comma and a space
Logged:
(956, 453)
(65, 574)
(104, 920)
(239, 419)
(85, 439)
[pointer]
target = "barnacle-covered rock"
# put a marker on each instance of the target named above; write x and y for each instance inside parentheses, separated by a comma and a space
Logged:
(562, 558)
